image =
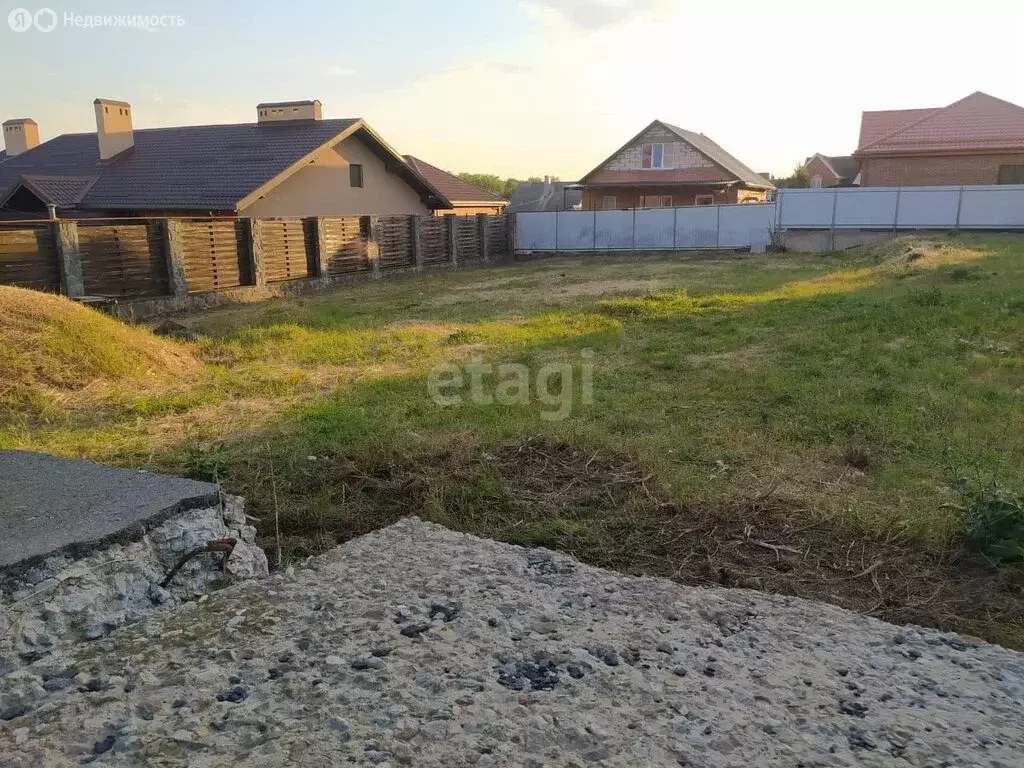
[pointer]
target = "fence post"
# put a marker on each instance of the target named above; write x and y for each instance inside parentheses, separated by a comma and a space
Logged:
(511, 234)
(452, 227)
(257, 271)
(896, 215)
(373, 246)
(481, 224)
(675, 223)
(323, 251)
(959, 205)
(417, 242)
(832, 228)
(594, 239)
(175, 256)
(718, 227)
(69, 258)
(634, 230)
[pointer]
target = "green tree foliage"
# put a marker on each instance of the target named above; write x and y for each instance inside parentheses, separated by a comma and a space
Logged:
(496, 184)
(799, 179)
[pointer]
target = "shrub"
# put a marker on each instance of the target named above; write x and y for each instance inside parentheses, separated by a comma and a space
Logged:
(994, 523)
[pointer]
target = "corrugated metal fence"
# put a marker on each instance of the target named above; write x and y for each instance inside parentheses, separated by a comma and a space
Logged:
(975, 207)
(750, 226)
(136, 258)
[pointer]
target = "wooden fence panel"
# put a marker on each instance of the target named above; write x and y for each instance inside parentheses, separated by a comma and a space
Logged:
(289, 249)
(395, 242)
(434, 240)
(216, 254)
(345, 242)
(467, 238)
(497, 235)
(28, 258)
(123, 259)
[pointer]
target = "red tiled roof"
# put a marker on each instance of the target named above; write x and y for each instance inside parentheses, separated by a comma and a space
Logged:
(977, 122)
(456, 190)
(875, 125)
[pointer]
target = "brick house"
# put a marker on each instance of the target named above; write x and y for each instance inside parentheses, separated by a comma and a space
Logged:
(832, 171)
(977, 140)
(664, 166)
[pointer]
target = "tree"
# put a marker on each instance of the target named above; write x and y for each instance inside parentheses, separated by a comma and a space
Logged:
(799, 179)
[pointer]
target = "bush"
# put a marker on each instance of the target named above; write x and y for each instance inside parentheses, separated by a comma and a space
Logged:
(994, 523)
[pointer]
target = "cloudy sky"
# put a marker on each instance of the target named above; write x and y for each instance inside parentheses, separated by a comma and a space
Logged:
(523, 87)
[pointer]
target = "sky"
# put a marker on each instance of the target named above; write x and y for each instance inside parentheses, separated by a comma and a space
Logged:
(522, 87)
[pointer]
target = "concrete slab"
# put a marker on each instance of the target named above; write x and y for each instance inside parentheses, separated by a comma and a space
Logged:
(50, 505)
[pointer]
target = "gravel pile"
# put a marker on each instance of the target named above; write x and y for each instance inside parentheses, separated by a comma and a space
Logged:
(418, 646)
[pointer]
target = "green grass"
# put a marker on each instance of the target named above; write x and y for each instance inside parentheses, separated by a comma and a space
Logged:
(726, 380)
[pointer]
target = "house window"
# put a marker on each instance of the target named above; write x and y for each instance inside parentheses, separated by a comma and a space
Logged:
(1011, 174)
(653, 156)
(656, 201)
(816, 181)
(704, 200)
(609, 202)
(355, 175)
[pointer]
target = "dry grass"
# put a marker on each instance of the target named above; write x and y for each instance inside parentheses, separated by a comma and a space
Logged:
(51, 347)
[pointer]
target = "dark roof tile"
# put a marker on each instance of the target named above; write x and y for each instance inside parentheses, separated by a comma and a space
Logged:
(451, 186)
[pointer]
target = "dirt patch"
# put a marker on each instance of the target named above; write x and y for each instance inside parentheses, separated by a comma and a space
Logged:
(608, 511)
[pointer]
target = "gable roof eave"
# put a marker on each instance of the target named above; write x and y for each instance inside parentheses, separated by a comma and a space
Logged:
(294, 168)
(358, 125)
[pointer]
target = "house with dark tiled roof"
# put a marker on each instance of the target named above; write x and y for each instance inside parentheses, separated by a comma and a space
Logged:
(547, 195)
(976, 140)
(466, 199)
(832, 171)
(664, 166)
(289, 163)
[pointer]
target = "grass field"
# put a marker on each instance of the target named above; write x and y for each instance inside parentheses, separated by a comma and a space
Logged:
(803, 424)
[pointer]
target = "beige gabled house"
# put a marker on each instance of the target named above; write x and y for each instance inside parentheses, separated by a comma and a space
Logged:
(289, 163)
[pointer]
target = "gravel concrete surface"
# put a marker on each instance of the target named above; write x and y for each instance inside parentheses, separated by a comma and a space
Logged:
(418, 646)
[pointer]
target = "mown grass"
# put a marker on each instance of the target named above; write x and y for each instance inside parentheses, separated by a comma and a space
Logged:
(857, 387)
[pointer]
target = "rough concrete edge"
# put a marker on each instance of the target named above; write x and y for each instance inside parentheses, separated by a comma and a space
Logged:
(130, 533)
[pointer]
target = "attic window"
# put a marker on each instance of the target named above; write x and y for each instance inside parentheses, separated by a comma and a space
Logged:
(355, 175)
(653, 156)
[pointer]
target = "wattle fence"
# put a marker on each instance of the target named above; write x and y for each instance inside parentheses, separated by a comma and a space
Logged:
(751, 226)
(133, 259)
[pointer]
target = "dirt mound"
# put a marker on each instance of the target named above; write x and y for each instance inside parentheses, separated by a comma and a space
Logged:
(608, 511)
(52, 348)
(914, 252)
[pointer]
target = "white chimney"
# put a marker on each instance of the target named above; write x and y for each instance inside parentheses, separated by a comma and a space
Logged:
(288, 111)
(20, 135)
(113, 127)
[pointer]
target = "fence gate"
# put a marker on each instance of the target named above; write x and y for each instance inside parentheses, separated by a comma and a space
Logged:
(28, 258)
(123, 259)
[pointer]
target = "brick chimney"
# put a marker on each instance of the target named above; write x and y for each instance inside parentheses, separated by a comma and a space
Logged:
(113, 127)
(20, 135)
(288, 111)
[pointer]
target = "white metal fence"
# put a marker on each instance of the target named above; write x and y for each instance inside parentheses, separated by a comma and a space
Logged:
(648, 229)
(751, 225)
(981, 207)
